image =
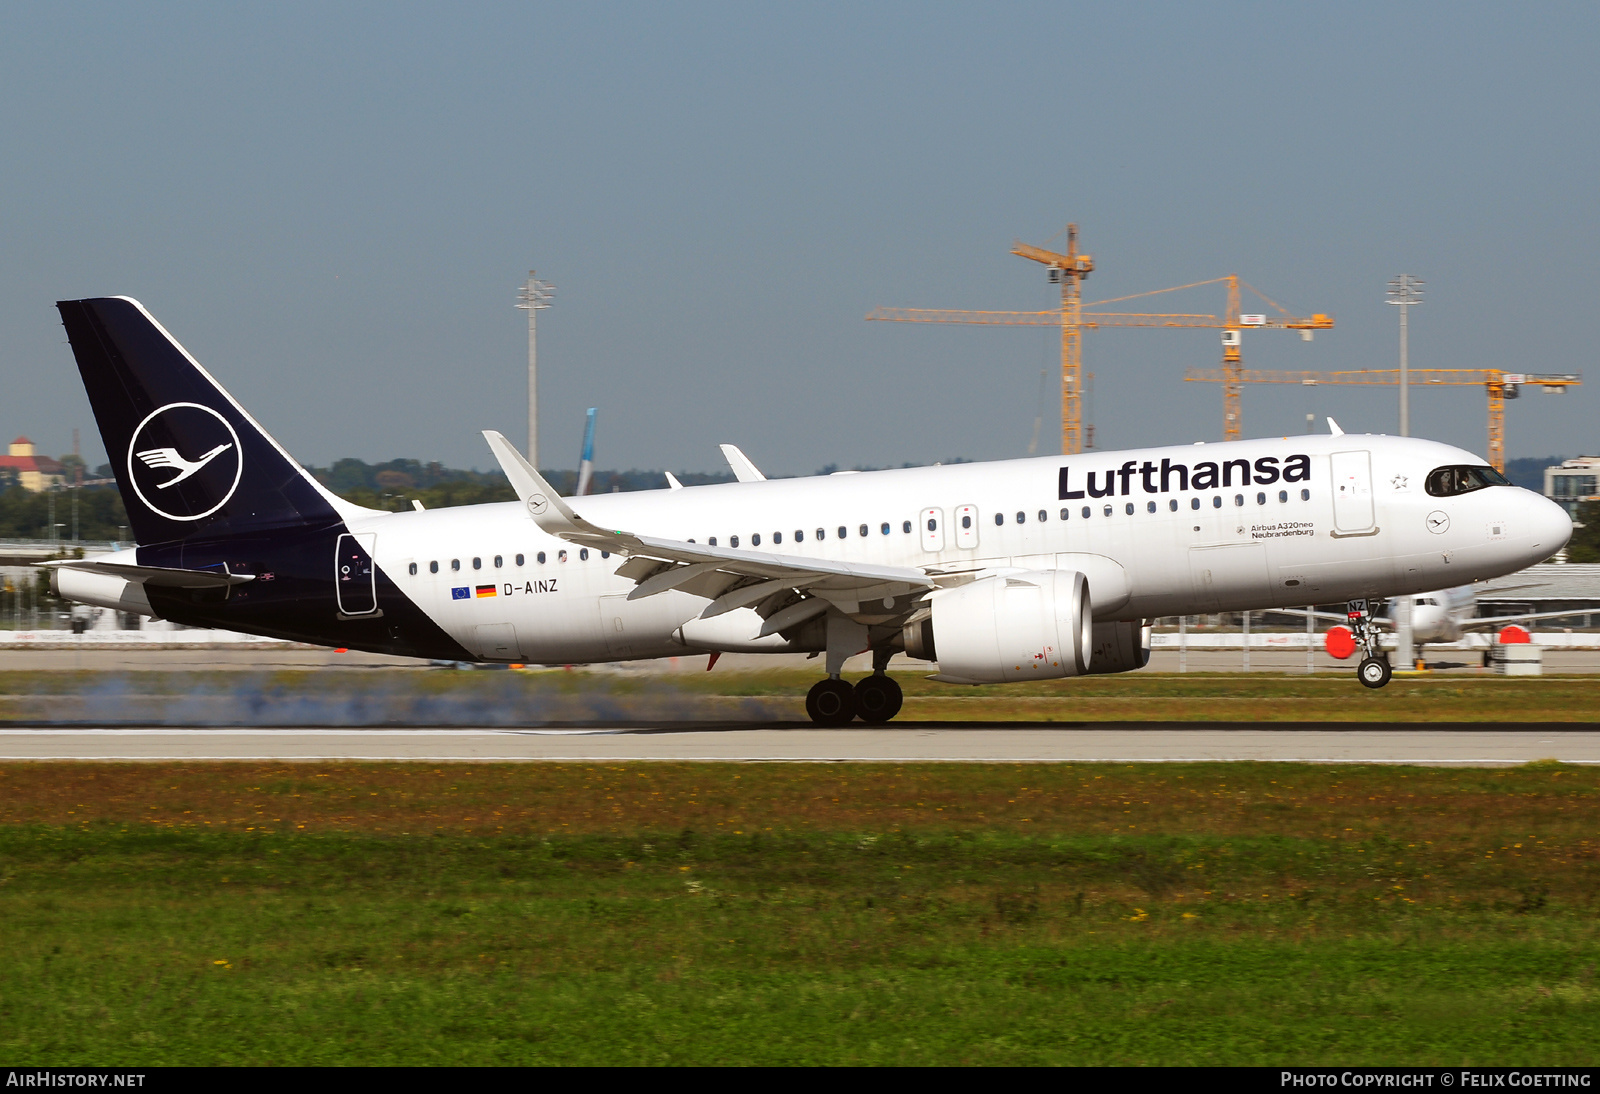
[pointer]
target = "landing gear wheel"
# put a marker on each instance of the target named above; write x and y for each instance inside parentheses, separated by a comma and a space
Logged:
(877, 699)
(1374, 672)
(831, 702)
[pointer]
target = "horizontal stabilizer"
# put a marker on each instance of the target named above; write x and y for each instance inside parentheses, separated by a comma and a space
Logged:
(165, 577)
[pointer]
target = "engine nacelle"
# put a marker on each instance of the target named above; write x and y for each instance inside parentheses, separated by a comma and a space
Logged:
(101, 590)
(1034, 625)
(1119, 647)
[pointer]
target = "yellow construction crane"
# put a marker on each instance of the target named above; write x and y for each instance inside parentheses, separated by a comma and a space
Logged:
(1499, 386)
(1069, 270)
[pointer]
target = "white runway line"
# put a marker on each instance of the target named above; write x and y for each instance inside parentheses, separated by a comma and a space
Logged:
(1103, 743)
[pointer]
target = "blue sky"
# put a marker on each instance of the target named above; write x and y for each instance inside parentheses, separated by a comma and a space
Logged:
(332, 206)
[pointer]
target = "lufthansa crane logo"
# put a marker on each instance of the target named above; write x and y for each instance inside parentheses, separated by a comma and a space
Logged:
(184, 461)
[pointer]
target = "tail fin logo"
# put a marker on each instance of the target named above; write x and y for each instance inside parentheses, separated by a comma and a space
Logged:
(203, 484)
(168, 457)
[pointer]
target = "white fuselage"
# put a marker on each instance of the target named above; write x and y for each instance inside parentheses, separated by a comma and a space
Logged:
(1357, 524)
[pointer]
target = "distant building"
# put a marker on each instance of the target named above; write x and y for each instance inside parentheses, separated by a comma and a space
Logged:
(1573, 483)
(32, 472)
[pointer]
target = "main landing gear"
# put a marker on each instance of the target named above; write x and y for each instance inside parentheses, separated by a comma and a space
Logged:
(876, 699)
(1374, 670)
(833, 702)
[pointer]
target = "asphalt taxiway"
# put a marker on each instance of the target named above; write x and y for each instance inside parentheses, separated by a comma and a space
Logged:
(1476, 744)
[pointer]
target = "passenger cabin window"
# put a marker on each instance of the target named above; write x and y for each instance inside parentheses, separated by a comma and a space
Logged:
(1129, 508)
(1150, 506)
(733, 541)
(540, 557)
(999, 519)
(884, 528)
(1238, 499)
(966, 520)
(1173, 505)
(1108, 510)
(433, 567)
(561, 556)
(777, 537)
(583, 555)
(799, 535)
(822, 533)
(906, 527)
(1043, 516)
(520, 560)
(1283, 495)
(455, 564)
(1261, 498)
(1305, 495)
(477, 564)
(755, 539)
(1064, 513)
(844, 533)
(1447, 482)
(712, 541)
(498, 562)
(1194, 503)
(413, 569)
(1022, 518)
(863, 529)
(1085, 512)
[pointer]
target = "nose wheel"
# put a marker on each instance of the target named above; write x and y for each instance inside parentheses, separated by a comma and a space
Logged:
(1374, 670)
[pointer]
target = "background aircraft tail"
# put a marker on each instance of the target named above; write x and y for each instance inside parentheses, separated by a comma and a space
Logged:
(188, 459)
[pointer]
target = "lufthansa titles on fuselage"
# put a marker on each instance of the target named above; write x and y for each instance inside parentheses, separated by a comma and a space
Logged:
(1206, 475)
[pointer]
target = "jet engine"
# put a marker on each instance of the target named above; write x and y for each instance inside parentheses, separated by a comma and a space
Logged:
(1032, 625)
(1119, 647)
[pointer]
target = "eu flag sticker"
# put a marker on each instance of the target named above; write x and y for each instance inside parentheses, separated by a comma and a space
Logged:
(461, 593)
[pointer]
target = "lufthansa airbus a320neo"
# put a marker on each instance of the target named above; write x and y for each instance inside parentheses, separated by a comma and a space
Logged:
(1018, 570)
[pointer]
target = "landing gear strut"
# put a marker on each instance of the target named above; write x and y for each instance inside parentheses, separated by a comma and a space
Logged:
(1374, 670)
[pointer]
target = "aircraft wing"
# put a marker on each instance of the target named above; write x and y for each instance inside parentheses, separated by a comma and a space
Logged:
(1331, 617)
(1496, 620)
(730, 578)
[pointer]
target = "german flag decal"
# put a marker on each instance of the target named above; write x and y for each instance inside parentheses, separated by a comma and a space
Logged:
(486, 590)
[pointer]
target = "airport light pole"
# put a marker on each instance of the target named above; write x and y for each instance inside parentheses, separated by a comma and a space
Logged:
(1405, 292)
(533, 298)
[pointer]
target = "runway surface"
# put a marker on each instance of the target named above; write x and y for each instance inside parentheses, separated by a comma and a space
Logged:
(1457, 744)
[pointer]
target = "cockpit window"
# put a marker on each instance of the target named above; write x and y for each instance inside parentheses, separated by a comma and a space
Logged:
(1447, 482)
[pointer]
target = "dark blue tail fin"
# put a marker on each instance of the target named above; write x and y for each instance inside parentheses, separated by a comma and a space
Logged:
(188, 459)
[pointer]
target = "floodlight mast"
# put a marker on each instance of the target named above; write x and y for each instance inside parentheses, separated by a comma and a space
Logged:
(533, 298)
(1405, 291)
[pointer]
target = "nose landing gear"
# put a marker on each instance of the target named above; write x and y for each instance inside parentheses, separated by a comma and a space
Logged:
(1374, 670)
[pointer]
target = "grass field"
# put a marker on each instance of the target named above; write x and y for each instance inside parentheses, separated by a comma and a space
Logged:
(490, 698)
(666, 913)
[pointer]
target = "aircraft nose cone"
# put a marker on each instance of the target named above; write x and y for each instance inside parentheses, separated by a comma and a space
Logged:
(1548, 525)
